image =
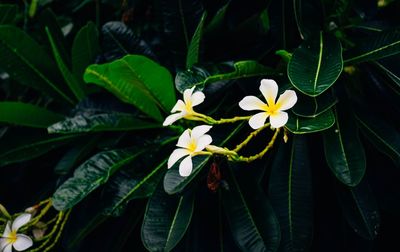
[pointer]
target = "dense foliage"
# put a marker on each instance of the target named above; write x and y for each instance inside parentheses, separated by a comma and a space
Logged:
(86, 85)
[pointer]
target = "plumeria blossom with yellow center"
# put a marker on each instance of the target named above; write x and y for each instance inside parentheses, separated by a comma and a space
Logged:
(184, 108)
(11, 238)
(274, 109)
(191, 143)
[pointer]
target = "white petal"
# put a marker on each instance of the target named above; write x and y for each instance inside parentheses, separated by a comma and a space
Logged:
(287, 100)
(179, 106)
(279, 119)
(7, 230)
(3, 243)
(184, 140)
(176, 155)
(197, 98)
(187, 95)
(23, 242)
(186, 166)
(198, 131)
(173, 118)
(258, 120)
(269, 90)
(20, 221)
(202, 142)
(251, 103)
(8, 248)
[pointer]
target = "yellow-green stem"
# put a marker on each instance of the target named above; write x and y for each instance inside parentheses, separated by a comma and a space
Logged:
(247, 140)
(59, 232)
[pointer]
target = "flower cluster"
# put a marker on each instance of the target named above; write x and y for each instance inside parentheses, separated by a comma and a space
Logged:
(195, 141)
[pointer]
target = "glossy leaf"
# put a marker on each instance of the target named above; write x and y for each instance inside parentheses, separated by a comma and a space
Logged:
(307, 106)
(308, 17)
(194, 46)
(290, 191)
(250, 216)
(344, 151)
(316, 64)
(201, 77)
(27, 62)
(25, 114)
(89, 176)
(304, 125)
(100, 122)
(378, 46)
(166, 220)
(8, 13)
(136, 80)
(217, 20)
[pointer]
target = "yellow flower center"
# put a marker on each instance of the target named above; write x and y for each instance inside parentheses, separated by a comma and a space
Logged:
(189, 107)
(12, 238)
(271, 110)
(192, 145)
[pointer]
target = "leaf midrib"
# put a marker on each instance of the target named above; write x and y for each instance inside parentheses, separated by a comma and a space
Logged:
(321, 45)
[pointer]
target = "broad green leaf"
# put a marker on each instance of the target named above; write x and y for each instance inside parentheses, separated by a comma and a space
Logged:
(203, 76)
(390, 67)
(194, 46)
(377, 46)
(307, 106)
(218, 19)
(73, 83)
(175, 183)
(100, 122)
(166, 220)
(360, 209)
(85, 48)
(251, 218)
(384, 136)
(30, 148)
(305, 125)
(316, 64)
(136, 80)
(89, 176)
(28, 63)
(308, 15)
(290, 190)
(8, 13)
(26, 114)
(344, 151)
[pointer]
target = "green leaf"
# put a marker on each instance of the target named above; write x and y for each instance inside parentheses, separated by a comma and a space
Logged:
(384, 136)
(307, 106)
(28, 63)
(75, 86)
(344, 151)
(304, 125)
(360, 209)
(100, 122)
(308, 17)
(194, 46)
(218, 19)
(250, 216)
(316, 64)
(166, 220)
(26, 114)
(89, 176)
(29, 148)
(203, 76)
(175, 183)
(290, 190)
(389, 66)
(377, 46)
(8, 13)
(136, 80)
(85, 48)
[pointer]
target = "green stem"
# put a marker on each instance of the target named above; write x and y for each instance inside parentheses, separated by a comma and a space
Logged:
(247, 140)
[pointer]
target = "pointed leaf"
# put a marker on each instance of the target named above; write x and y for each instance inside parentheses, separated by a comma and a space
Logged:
(307, 106)
(8, 13)
(316, 64)
(217, 20)
(194, 46)
(389, 66)
(305, 125)
(290, 191)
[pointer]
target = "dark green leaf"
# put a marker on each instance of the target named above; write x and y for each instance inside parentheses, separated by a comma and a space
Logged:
(390, 67)
(377, 46)
(203, 76)
(304, 125)
(290, 190)
(344, 151)
(218, 19)
(26, 114)
(136, 80)
(307, 106)
(308, 17)
(8, 13)
(166, 220)
(194, 46)
(89, 176)
(100, 122)
(251, 218)
(316, 64)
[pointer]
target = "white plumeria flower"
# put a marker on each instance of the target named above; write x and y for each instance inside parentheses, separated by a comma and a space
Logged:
(273, 110)
(185, 107)
(191, 143)
(11, 238)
